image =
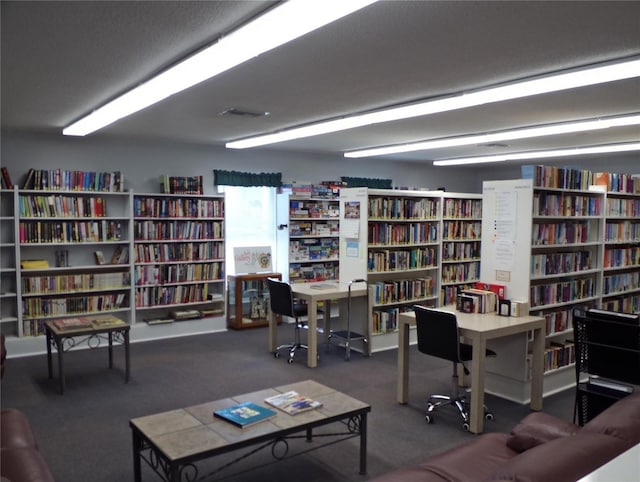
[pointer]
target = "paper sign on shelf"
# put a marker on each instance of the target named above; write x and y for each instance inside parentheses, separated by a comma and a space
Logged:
(252, 259)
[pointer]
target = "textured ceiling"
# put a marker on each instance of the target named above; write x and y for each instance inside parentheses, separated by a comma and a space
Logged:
(60, 60)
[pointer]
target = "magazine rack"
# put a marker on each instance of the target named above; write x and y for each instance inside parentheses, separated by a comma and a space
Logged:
(607, 353)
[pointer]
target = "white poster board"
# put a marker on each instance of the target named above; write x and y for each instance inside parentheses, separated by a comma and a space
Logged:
(252, 259)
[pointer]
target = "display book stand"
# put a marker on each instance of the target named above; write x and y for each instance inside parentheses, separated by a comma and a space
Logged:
(607, 359)
(248, 302)
(346, 337)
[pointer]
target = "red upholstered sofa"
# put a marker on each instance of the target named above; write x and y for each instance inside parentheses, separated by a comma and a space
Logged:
(541, 448)
(20, 459)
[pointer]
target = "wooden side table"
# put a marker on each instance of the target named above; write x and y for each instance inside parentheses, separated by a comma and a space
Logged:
(92, 330)
(248, 303)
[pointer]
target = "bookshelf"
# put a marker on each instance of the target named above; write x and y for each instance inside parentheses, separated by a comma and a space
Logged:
(558, 220)
(8, 272)
(179, 250)
(391, 238)
(461, 241)
(63, 238)
(314, 227)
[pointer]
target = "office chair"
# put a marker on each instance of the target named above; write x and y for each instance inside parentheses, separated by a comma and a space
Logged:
(438, 335)
(283, 303)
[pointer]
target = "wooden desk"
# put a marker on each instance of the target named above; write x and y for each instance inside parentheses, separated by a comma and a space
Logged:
(478, 328)
(101, 327)
(306, 291)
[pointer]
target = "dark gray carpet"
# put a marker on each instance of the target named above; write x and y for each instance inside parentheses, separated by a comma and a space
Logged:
(84, 434)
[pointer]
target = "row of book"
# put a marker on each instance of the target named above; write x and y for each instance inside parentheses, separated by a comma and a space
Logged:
(462, 208)
(559, 354)
(623, 304)
(558, 321)
(314, 228)
(69, 231)
(313, 272)
(449, 294)
(543, 234)
(153, 207)
(552, 204)
(326, 189)
(313, 209)
(466, 251)
(180, 252)
(580, 179)
(560, 262)
(461, 272)
(63, 180)
(178, 230)
(622, 232)
(74, 282)
(476, 300)
(181, 184)
(39, 307)
(403, 208)
(56, 206)
(396, 291)
(408, 259)
(461, 230)
(621, 283)
(171, 295)
(629, 208)
(177, 273)
(388, 234)
(314, 249)
(562, 292)
(385, 320)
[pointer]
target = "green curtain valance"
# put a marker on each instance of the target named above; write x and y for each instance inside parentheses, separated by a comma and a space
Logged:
(367, 182)
(247, 179)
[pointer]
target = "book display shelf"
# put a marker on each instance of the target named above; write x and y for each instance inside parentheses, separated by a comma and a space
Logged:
(461, 240)
(73, 253)
(392, 239)
(248, 302)
(8, 272)
(314, 227)
(179, 250)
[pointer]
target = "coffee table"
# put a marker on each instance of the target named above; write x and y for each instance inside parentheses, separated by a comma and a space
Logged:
(172, 443)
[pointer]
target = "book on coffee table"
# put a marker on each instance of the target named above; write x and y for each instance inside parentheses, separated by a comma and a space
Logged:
(244, 414)
(72, 323)
(292, 402)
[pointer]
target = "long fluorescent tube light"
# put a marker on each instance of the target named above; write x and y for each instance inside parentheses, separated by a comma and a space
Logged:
(599, 74)
(517, 156)
(278, 26)
(509, 135)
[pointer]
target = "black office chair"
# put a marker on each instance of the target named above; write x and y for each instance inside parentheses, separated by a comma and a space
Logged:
(283, 303)
(438, 335)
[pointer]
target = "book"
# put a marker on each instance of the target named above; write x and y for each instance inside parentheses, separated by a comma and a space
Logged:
(34, 263)
(107, 321)
(99, 257)
(72, 323)
(28, 182)
(244, 414)
(6, 178)
(120, 255)
(292, 402)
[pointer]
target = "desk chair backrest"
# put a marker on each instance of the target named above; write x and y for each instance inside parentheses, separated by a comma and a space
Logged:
(281, 298)
(438, 333)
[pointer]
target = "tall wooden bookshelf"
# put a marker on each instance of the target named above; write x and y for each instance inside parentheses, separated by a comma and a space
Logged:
(314, 230)
(392, 239)
(179, 250)
(73, 255)
(9, 324)
(461, 241)
(559, 223)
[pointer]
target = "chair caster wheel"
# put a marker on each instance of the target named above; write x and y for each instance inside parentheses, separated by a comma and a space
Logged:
(465, 427)
(428, 419)
(276, 355)
(290, 361)
(488, 416)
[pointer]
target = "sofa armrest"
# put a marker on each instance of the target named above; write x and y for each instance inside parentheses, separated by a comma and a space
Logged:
(538, 428)
(15, 430)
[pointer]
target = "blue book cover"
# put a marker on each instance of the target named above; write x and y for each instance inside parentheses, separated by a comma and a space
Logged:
(244, 414)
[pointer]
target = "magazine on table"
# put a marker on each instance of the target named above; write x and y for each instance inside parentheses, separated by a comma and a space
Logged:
(244, 414)
(292, 402)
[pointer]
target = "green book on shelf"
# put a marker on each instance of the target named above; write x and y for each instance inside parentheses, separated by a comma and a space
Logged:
(244, 414)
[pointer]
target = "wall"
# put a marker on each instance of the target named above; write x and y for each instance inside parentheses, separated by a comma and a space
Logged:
(143, 162)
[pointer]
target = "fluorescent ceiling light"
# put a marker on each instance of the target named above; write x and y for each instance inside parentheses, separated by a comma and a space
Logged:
(599, 74)
(577, 151)
(278, 26)
(525, 133)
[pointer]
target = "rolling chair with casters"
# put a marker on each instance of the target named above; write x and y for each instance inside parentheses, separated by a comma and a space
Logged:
(438, 335)
(283, 303)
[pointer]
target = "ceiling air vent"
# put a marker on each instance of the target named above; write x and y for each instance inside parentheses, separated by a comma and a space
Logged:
(233, 111)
